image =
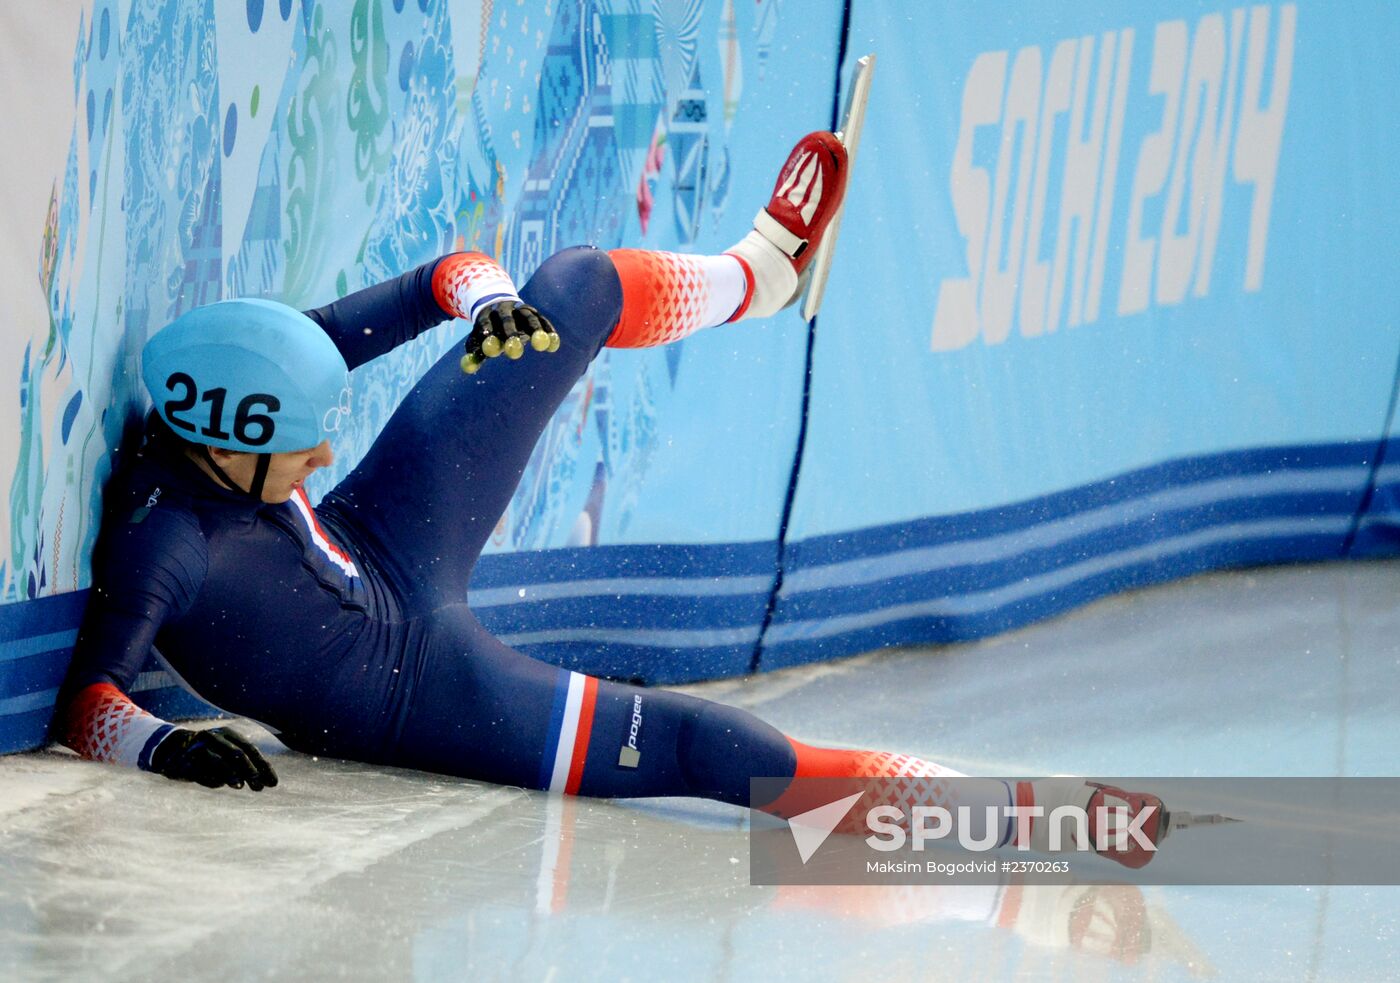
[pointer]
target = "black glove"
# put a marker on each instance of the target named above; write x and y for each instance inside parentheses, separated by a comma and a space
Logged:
(213, 758)
(504, 327)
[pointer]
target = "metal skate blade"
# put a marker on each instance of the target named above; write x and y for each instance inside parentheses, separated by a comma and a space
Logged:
(852, 122)
(1185, 820)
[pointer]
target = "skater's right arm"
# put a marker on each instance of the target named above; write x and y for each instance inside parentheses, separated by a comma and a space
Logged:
(468, 285)
(376, 320)
(147, 571)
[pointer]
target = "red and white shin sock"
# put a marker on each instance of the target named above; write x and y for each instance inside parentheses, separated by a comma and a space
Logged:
(668, 296)
(915, 782)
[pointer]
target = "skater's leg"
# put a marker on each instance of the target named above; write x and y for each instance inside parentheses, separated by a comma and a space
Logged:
(437, 479)
(669, 295)
(435, 482)
(439, 475)
(482, 710)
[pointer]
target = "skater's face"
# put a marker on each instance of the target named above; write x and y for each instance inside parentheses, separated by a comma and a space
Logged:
(286, 471)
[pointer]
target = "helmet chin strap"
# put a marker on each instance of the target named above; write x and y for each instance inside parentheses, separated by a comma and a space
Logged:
(255, 489)
(260, 476)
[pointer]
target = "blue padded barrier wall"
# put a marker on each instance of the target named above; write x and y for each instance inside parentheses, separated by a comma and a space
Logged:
(1113, 301)
(36, 641)
(1145, 319)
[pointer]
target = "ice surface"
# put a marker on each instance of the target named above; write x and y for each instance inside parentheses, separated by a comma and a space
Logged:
(352, 872)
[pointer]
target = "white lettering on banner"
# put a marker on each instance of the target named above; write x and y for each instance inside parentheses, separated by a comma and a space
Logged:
(1036, 274)
(1202, 119)
(1109, 184)
(1168, 66)
(981, 106)
(999, 283)
(1261, 129)
(1196, 248)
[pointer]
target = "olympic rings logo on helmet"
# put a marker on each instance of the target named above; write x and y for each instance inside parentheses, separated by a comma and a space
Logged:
(330, 423)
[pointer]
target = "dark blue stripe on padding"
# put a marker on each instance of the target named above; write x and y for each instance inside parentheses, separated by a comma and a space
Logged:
(24, 648)
(1378, 530)
(680, 560)
(917, 572)
(644, 664)
(654, 613)
(41, 671)
(25, 731)
(954, 625)
(41, 616)
(1324, 468)
(625, 611)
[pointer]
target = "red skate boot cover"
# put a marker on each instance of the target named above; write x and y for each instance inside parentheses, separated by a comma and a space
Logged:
(807, 196)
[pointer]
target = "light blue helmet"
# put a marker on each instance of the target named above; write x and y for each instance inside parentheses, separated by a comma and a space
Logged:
(247, 375)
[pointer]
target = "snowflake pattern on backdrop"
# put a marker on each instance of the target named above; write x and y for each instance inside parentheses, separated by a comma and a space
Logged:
(335, 145)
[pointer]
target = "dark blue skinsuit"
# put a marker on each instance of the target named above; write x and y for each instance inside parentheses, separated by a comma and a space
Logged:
(346, 630)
